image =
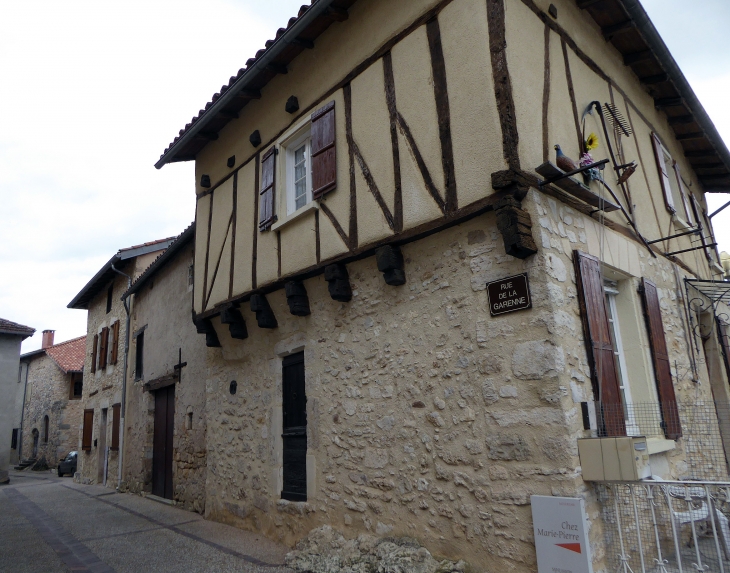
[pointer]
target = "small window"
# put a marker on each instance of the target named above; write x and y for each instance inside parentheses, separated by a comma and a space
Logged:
(14, 440)
(676, 196)
(298, 173)
(190, 275)
(109, 295)
(77, 385)
(46, 425)
(138, 362)
(610, 288)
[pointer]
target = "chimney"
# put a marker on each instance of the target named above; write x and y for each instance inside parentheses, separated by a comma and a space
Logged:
(47, 339)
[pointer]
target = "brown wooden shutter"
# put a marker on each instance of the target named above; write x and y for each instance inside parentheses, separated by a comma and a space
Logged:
(663, 175)
(324, 158)
(115, 343)
(88, 429)
(266, 208)
(93, 353)
(596, 330)
(684, 193)
(103, 347)
(662, 370)
(115, 426)
(702, 222)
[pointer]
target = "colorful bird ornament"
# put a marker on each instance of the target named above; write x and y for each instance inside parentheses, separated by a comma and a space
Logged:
(563, 161)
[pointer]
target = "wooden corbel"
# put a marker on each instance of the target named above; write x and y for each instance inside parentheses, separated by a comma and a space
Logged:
(513, 222)
(339, 282)
(264, 315)
(296, 296)
(205, 326)
(236, 325)
(390, 263)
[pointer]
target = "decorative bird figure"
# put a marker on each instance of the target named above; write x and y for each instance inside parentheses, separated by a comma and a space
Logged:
(628, 172)
(563, 161)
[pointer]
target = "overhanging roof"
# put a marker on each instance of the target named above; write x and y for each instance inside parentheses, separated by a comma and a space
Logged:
(300, 34)
(627, 26)
(623, 22)
(107, 273)
(15, 329)
(175, 247)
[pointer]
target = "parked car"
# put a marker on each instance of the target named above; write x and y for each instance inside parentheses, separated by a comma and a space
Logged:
(67, 465)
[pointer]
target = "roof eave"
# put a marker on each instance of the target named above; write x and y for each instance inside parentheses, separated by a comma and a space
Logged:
(316, 10)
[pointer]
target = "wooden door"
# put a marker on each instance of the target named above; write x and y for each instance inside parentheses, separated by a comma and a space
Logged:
(162, 442)
(101, 450)
(295, 429)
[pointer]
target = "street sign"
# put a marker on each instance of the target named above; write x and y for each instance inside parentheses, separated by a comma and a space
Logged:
(561, 539)
(509, 294)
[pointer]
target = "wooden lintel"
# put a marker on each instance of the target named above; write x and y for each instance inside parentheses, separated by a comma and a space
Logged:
(277, 68)
(249, 94)
(680, 119)
(693, 135)
(655, 79)
(624, 26)
(301, 42)
(209, 135)
(662, 102)
(337, 14)
(228, 114)
(636, 57)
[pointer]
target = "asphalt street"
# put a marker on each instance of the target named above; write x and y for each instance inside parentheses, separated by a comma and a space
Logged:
(52, 525)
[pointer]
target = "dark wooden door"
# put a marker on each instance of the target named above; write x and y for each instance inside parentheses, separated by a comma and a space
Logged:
(162, 442)
(295, 428)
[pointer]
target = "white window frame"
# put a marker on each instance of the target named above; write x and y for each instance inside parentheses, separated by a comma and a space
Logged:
(291, 146)
(686, 220)
(611, 292)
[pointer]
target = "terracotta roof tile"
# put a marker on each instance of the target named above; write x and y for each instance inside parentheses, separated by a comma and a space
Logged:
(69, 355)
(9, 327)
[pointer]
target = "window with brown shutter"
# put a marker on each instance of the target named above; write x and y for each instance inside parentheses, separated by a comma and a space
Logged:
(597, 334)
(704, 222)
(685, 195)
(88, 429)
(115, 426)
(661, 163)
(115, 343)
(93, 353)
(324, 164)
(662, 370)
(103, 347)
(266, 207)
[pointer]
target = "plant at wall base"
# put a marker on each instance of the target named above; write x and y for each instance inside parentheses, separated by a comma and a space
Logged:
(586, 158)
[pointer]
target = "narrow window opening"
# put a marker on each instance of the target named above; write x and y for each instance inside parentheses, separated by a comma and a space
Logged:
(138, 363)
(189, 421)
(109, 295)
(46, 424)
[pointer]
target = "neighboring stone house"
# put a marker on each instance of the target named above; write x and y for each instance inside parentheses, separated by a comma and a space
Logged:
(362, 181)
(164, 436)
(12, 335)
(53, 377)
(98, 443)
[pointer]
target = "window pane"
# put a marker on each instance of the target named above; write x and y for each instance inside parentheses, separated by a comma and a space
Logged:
(300, 177)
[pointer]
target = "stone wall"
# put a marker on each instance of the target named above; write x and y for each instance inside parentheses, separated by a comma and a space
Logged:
(9, 389)
(426, 417)
(47, 394)
(162, 307)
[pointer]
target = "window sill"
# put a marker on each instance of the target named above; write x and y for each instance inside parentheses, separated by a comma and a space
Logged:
(311, 206)
(681, 223)
(659, 445)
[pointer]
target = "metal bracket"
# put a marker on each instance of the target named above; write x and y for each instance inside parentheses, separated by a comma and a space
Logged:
(692, 249)
(692, 232)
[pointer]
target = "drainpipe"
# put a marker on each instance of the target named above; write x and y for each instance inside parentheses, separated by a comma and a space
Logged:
(22, 415)
(124, 379)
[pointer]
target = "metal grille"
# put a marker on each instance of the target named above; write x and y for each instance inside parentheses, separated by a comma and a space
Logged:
(700, 453)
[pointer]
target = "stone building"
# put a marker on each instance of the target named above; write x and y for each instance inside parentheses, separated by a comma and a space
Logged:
(12, 335)
(104, 367)
(53, 377)
(362, 181)
(165, 423)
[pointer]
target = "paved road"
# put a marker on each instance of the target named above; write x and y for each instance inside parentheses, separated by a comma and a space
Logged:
(52, 525)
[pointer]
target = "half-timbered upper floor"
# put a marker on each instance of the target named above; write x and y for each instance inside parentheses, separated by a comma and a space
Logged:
(371, 122)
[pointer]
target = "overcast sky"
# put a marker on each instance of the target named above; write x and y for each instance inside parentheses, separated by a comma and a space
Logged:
(92, 92)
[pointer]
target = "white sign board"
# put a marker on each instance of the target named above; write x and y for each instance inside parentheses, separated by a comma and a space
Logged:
(561, 539)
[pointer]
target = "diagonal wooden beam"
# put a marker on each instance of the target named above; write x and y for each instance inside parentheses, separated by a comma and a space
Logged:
(218, 262)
